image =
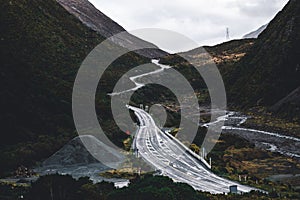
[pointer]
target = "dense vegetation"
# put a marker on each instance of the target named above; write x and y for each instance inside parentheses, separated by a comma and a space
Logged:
(58, 187)
(235, 158)
(42, 47)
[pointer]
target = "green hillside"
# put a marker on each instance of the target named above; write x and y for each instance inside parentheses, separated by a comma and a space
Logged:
(224, 55)
(270, 71)
(42, 47)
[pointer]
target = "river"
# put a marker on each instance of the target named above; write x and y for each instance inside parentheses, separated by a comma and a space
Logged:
(271, 141)
(274, 142)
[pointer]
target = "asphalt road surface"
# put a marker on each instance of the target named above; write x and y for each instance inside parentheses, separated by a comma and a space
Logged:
(168, 156)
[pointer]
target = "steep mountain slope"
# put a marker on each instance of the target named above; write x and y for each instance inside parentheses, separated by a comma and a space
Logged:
(256, 33)
(42, 47)
(99, 22)
(270, 71)
(258, 72)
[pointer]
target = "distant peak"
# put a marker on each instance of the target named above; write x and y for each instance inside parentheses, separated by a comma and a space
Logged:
(256, 33)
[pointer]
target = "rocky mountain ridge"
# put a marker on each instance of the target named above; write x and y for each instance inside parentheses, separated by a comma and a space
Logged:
(96, 20)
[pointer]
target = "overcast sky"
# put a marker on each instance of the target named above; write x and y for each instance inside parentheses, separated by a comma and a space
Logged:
(201, 20)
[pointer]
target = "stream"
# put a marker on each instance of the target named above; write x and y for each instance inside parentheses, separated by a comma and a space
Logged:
(271, 141)
(233, 121)
(274, 142)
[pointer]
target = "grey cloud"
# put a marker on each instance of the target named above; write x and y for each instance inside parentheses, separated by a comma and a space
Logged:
(260, 8)
(201, 20)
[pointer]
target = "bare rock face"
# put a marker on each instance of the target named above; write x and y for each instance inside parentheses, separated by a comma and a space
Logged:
(96, 20)
(75, 153)
(92, 17)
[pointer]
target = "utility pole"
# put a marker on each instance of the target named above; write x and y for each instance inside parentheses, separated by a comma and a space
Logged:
(146, 108)
(227, 34)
